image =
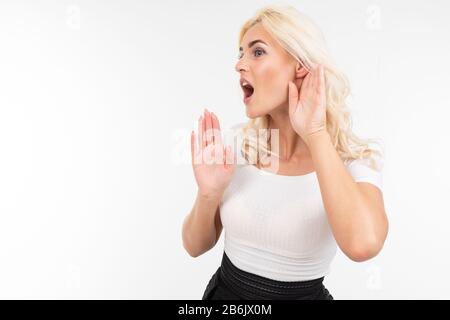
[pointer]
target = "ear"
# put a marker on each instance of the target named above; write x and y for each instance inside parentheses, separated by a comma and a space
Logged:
(300, 71)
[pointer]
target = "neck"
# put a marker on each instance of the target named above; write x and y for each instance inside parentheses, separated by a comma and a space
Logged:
(291, 145)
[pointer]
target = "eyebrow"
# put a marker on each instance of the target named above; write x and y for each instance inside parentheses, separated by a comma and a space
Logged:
(251, 43)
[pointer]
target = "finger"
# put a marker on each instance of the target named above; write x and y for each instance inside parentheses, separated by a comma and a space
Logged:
(307, 82)
(201, 133)
(322, 86)
(208, 128)
(322, 80)
(317, 79)
(193, 148)
(311, 79)
(227, 156)
(204, 142)
(305, 86)
(216, 129)
(293, 97)
(230, 158)
(218, 154)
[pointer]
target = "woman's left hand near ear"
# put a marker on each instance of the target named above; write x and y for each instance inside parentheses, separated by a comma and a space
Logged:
(307, 106)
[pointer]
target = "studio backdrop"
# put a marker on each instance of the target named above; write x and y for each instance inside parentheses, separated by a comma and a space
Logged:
(97, 103)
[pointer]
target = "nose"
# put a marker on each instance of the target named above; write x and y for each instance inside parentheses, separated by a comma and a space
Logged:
(241, 66)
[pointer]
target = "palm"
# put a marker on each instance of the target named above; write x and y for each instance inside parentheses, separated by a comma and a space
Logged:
(212, 164)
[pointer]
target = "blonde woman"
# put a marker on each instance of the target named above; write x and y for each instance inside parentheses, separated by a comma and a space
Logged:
(285, 204)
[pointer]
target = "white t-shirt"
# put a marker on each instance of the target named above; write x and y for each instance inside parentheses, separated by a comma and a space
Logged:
(275, 225)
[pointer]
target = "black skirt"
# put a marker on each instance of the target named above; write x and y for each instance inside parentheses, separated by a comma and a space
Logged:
(232, 283)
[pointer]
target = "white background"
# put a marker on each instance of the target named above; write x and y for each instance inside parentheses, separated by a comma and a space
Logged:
(97, 101)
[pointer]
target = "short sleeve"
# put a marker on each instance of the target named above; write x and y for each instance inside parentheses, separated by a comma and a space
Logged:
(361, 171)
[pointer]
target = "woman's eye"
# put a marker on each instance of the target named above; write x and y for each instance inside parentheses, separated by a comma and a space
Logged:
(259, 50)
(254, 52)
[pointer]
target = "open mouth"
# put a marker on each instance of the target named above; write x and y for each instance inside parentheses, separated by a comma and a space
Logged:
(248, 90)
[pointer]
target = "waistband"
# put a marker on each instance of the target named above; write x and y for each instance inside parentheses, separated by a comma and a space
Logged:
(251, 286)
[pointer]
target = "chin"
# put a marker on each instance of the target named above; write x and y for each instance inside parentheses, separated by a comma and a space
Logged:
(251, 114)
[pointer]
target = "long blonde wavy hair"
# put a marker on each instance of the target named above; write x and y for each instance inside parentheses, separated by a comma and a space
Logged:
(303, 40)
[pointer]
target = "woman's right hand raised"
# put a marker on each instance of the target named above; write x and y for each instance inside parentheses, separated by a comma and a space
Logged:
(213, 164)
